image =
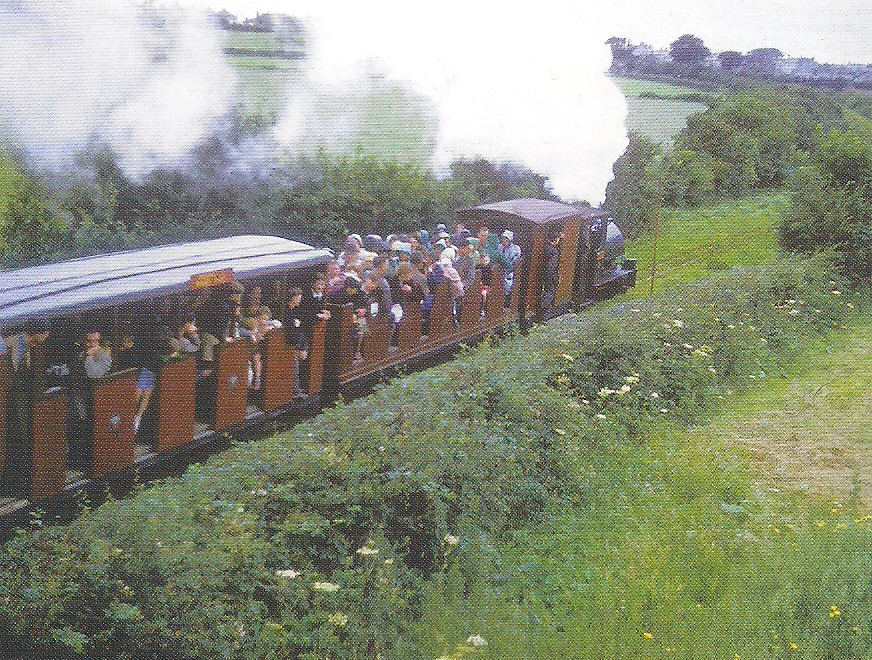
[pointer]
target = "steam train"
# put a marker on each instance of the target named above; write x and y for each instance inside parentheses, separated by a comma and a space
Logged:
(82, 431)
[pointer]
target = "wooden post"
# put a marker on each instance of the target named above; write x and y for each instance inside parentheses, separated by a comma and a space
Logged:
(346, 341)
(441, 323)
(316, 357)
(470, 314)
(176, 403)
(49, 450)
(377, 341)
(409, 332)
(534, 269)
(496, 297)
(112, 431)
(231, 385)
(568, 254)
(278, 381)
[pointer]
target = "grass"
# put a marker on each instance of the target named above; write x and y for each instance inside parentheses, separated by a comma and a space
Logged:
(659, 119)
(696, 242)
(635, 87)
(251, 40)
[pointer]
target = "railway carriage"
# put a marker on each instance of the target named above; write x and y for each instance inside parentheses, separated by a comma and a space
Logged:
(78, 430)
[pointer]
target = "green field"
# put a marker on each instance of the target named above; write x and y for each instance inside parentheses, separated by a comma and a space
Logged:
(250, 40)
(696, 242)
(659, 119)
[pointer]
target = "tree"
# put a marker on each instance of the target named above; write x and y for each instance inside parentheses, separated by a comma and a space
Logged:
(481, 181)
(631, 197)
(730, 60)
(831, 204)
(688, 50)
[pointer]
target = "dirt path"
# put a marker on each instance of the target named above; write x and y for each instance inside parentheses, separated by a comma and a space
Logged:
(813, 431)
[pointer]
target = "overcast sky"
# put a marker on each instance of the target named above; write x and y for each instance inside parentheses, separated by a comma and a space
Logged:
(831, 31)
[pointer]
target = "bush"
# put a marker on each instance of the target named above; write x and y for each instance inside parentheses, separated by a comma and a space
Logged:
(330, 539)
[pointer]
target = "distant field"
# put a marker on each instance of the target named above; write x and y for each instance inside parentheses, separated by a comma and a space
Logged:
(696, 242)
(250, 40)
(659, 119)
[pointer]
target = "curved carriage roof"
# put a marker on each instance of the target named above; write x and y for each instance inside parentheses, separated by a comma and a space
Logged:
(538, 211)
(91, 282)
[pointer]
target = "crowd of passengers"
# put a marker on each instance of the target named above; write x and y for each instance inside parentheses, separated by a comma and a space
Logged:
(376, 276)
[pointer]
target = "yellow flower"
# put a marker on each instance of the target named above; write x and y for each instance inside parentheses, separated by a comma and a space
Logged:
(476, 640)
(647, 635)
(559, 431)
(338, 619)
(325, 586)
(366, 552)
(793, 646)
(451, 540)
(821, 523)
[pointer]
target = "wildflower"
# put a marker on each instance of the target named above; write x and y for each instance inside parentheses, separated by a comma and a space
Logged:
(713, 370)
(476, 640)
(834, 612)
(338, 619)
(688, 346)
(793, 646)
(388, 562)
(563, 379)
(793, 312)
(451, 540)
(624, 389)
(600, 416)
(664, 410)
(636, 310)
(647, 635)
(366, 551)
(654, 395)
(568, 357)
(631, 379)
(559, 431)
(731, 326)
(257, 492)
(821, 523)
(677, 323)
(585, 402)
(288, 573)
(835, 292)
(604, 392)
(849, 305)
(329, 587)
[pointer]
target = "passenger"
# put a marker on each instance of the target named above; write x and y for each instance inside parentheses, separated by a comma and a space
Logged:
(512, 254)
(27, 381)
(96, 359)
(256, 328)
(335, 278)
(352, 294)
(551, 268)
(294, 330)
(465, 264)
(313, 309)
(419, 279)
(187, 340)
(351, 255)
(380, 269)
(455, 285)
(146, 353)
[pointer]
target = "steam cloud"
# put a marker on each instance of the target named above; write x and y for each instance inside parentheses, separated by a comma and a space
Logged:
(74, 74)
(429, 84)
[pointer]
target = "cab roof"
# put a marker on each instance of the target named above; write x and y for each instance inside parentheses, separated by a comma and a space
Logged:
(40, 292)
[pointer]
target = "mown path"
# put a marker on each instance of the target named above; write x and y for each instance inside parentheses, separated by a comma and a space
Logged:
(812, 431)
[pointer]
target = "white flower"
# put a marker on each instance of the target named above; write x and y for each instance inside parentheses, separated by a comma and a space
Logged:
(476, 640)
(624, 389)
(604, 392)
(631, 379)
(568, 357)
(325, 586)
(731, 326)
(288, 573)
(793, 312)
(636, 310)
(713, 370)
(836, 293)
(451, 540)
(654, 395)
(688, 346)
(388, 562)
(366, 552)
(664, 410)
(338, 619)
(677, 323)
(600, 416)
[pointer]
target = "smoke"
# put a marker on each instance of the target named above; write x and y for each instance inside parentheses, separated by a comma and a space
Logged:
(506, 83)
(425, 82)
(74, 74)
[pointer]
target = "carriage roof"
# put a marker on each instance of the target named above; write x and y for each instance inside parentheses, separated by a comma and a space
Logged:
(91, 282)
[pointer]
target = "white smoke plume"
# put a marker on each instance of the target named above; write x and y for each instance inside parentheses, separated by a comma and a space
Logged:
(507, 82)
(149, 85)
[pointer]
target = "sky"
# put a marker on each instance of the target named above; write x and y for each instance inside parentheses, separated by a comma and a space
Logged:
(834, 31)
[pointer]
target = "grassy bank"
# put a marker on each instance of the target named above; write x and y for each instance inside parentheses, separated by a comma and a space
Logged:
(539, 494)
(697, 242)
